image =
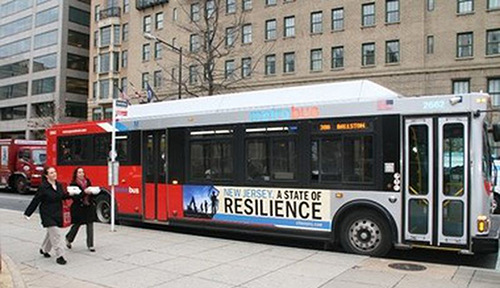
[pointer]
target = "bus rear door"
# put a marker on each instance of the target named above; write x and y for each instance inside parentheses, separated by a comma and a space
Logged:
(436, 182)
(155, 174)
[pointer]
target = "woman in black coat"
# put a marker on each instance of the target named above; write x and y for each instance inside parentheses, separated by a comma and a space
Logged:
(49, 197)
(83, 211)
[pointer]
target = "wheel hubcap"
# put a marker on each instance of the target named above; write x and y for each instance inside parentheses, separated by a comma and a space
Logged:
(103, 211)
(365, 235)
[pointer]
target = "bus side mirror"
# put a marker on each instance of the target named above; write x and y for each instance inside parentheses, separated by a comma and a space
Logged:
(496, 132)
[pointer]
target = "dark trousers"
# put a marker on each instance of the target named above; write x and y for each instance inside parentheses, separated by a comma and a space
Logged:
(74, 230)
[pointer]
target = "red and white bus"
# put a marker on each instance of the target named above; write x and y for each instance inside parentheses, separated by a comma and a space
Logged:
(352, 163)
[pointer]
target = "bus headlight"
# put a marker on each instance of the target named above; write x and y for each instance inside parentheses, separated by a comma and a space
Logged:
(483, 223)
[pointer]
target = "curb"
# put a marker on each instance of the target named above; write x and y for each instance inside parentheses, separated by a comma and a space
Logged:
(15, 274)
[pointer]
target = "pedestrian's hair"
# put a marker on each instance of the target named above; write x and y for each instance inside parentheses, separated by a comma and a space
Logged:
(46, 172)
(76, 172)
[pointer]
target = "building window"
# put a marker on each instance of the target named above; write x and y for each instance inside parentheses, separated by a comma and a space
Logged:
(44, 17)
(289, 62)
(41, 86)
(45, 109)
(493, 42)
(77, 86)
(97, 10)
(337, 57)
(158, 49)
(104, 89)
(13, 113)
(158, 78)
(194, 43)
(229, 69)
(430, 44)
(47, 62)
(270, 2)
(317, 22)
(77, 62)
(368, 14)
(392, 51)
(465, 6)
(392, 11)
(146, 52)
(316, 60)
(338, 19)
(230, 36)
(94, 90)
(464, 45)
(96, 67)
(14, 69)
(97, 114)
(14, 90)
(77, 39)
(145, 80)
(430, 5)
(210, 8)
(494, 90)
(193, 74)
(270, 65)
(79, 16)
(175, 15)
(247, 4)
(96, 37)
(461, 86)
(368, 54)
(195, 12)
(125, 32)
(146, 24)
(230, 6)
(105, 36)
(126, 6)
(76, 110)
(104, 63)
(116, 61)
(247, 34)
(159, 21)
(124, 58)
(246, 67)
(493, 4)
(289, 30)
(116, 34)
(46, 39)
(271, 29)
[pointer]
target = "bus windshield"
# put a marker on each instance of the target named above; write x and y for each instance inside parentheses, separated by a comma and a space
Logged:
(39, 157)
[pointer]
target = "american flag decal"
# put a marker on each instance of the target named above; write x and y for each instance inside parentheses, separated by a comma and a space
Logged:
(385, 104)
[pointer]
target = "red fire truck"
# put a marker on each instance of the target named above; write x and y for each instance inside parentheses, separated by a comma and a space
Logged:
(21, 164)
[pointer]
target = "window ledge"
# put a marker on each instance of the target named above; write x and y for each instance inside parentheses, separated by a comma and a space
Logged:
(458, 14)
(392, 23)
(316, 71)
(270, 75)
(337, 31)
(288, 37)
(289, 73)
(393, 64)
(247, 10)
(368, 26)
(464, 58)
(337, 69)
(246, 44)
(492, 56)
(270, 5)
(316, 33)
(270, 40)
(492, 10)
(368, 66)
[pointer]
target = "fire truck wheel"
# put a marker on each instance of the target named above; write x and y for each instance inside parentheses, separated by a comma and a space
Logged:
(103, 209)
(21, 185)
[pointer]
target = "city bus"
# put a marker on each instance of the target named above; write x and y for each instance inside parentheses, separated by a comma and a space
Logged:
(350, 163)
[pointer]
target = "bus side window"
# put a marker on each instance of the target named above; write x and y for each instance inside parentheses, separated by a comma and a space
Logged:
(257, 160)
(24, 155)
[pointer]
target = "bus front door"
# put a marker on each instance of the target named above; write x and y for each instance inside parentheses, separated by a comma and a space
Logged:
(154, 168)
(435, 174)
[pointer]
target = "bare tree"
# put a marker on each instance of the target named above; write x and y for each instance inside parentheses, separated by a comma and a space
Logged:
(219, 56)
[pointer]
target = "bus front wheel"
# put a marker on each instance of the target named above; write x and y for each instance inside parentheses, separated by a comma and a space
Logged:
(103, 209)
(365, 232)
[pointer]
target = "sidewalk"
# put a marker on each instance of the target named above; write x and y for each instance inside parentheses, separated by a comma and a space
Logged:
(135, 257)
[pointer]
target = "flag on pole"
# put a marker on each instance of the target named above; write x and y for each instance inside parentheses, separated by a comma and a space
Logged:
(150, 93)
(123, 95)
(136, 93)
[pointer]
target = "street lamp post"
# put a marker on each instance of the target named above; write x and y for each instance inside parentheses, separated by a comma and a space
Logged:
(152, 37)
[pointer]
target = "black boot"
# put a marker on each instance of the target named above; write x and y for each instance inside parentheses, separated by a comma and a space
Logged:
(61, 260)
(45, 254)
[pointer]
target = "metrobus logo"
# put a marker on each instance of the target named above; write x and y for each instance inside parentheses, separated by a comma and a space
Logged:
(284, 114)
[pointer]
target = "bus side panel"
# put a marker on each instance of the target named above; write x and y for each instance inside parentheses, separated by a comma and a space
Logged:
(162, 202)
(149, 198)
(175, 201)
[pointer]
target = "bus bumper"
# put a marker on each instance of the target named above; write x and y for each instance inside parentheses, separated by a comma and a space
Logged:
(485, 244)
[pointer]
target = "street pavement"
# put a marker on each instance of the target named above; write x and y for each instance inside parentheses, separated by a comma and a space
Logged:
(139, 257)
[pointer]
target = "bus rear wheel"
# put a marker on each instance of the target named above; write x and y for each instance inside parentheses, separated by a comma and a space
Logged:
(365, 232)
(21, 185)
(103, 209)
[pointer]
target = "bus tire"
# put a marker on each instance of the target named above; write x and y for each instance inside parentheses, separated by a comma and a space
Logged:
(103, 208)
(21, 185)
(365, 232)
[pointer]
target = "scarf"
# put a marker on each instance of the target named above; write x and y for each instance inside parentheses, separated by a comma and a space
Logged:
(84, 184)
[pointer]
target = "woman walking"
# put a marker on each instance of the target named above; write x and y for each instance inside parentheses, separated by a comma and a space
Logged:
(83, 210)
(49, 197)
